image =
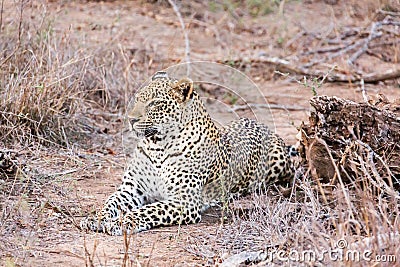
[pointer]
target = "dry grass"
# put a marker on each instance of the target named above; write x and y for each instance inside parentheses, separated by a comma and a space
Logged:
(308, 222)
(54, 98)
(40, 80)
(50, 86)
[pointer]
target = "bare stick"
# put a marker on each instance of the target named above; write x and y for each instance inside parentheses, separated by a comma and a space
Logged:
(364, 93)
(394, 14)
(10, 55)
(327, 74)
(377, 77)
(187, 44)
(345, 192)
(347, 48)
(324, 50)
(21, 11)
(286, 66)
(282, 65)
(269, 106)
(1, 14)
(373, 34)
(385, 43)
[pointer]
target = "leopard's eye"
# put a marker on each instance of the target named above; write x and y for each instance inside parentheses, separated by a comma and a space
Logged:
(133, 120)
(155, 103)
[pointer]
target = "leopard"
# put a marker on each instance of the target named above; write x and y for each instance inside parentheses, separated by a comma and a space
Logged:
(183, 163)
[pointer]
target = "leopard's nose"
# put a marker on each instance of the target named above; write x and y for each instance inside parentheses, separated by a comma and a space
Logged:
(134, 120)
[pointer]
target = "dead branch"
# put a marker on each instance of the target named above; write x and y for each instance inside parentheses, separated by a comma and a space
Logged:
(373, 34)
(361, 41)
(324, 50)
(268, 106)
(385, 43)
(295, 38)
(185, 34)
(347, 48)
(363, 91)
(344, 126)
(348, 33)
(284, 66)
(1, 14)
(244, 257)
(390, 13)
(377, 77)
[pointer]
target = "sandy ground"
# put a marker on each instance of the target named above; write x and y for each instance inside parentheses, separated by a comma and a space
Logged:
(153, 33)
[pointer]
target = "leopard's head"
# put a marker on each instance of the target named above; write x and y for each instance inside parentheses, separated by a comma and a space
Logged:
(160, 106)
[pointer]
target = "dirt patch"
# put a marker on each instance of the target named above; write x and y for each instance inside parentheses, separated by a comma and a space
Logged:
(114, 47)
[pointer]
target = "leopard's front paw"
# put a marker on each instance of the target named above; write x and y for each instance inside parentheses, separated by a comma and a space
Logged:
(96, 224)
(130, 224)
(115, 227)
(92, 223)
(121, 226)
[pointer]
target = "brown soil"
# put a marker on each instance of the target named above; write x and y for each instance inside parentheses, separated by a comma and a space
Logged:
(46, 235)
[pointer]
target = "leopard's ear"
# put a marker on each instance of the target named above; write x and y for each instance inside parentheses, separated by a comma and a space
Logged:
(182, 90)
(159, 75)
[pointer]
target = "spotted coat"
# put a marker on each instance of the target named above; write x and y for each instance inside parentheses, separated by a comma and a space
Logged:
(183, 162)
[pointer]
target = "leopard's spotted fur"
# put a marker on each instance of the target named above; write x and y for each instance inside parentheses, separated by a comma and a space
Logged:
(183, 162)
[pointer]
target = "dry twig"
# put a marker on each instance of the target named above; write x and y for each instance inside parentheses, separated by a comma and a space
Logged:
(268, 106)
(363, 91)
(185, 34)
(1, 14)
(390, 13)
(373, 34)
(283, 65)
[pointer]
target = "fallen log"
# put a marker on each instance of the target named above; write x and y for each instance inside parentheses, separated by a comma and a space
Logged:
(345, 141)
